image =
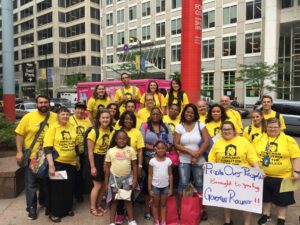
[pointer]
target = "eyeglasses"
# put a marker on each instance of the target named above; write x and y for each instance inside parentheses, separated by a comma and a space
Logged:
(272, 128)
(227, 129)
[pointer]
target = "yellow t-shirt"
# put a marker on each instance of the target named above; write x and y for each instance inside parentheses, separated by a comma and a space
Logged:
(202, 118)
(128, 92)
(30, 125)
(237, 151)
(172, 123)
(81, 126)
(136, 140)
(143, 114)
(93, 105)
(120, 160)
(280, 152)
(254, 133)
(235, 116)
(63, 139)
(214, 128)
(159, 100)
(184, 102)
(102, 143)
(138, 124)
(272, 114)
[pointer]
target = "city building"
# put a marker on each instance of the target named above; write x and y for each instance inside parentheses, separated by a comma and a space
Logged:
(144, 38)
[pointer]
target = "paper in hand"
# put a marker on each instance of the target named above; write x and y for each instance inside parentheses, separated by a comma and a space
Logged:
(289, 184)
(59, 175)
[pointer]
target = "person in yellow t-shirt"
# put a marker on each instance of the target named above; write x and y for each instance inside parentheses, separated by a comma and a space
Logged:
(202, 110)
(97, 148)
(279, 158)
(231, 113)
(100, 100)
(173, 118)
(235, 150)
(144, 113)
(62, 137)
(159, 99)
(256, 129)
(130, 106)
(26, 131)
(215, 116)
(176, 95)
(127, 92)
(82, 124)
(267, 103)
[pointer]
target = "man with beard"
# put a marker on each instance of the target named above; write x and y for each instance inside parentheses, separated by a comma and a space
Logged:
(25, 134)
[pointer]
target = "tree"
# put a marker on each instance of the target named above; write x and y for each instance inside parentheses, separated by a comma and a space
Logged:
(260, 76)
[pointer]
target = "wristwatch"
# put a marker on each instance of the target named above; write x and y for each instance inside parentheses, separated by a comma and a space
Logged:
(297, 172)
(140, 166)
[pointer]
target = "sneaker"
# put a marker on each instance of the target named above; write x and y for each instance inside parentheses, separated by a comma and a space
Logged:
(147, 216)
(230, 223)
(263, 220)
(280, 222)
(32, 213)
(119, 219)
(132, 222)
(157, 223)
(55, 219)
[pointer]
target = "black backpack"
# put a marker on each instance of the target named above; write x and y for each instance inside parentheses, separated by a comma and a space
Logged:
(86, 150)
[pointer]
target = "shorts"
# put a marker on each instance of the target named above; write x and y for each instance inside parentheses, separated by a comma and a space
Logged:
(160, 191)
(271, 193)
(99, 164)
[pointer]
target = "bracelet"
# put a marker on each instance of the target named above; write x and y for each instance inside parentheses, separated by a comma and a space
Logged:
(140, 166)
(297, 172)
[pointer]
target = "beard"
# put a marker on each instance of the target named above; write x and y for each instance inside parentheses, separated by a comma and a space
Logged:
(43, 109)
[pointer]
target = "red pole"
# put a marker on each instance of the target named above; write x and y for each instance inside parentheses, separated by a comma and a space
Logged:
(191, 48)
(9, 106)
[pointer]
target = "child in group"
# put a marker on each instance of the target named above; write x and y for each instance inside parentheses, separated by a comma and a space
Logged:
(160, 180)
(120, 172)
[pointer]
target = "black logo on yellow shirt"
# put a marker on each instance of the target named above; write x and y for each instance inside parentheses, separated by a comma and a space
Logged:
(253, 136)
(80, 130)
(104, 144)
(230, 150)
(216, 130)
(273, 147)
(66, 136)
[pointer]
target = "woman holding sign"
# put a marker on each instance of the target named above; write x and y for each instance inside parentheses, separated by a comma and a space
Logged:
(236, 150)
(280, 158)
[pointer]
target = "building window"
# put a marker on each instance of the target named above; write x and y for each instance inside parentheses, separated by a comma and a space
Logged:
(160, 6)
(27, 53)
(160, 30)
(25, 26)
(146, 9)
(253, 10)
(26, 12)
(208, 85)
(95, 45)
(208, 19)
(73, 15)
(176, 4)
(44, 19)
(96, 76)
(120, 38)
(44, 34)
(96, 1)
(73, 46)
(120, 16)
(133, 32)
(229, 84)
(109, 2)
(16, 55)
(15, 17)
(252, 42)
(287, 3)
(176, 53)
(146, 33)
(109, 40)
(95, 13)
(229, 46)
(95, 28)
(45, 49)
(27, 39)
(23, 2)
(44, 5)
(109, 59)
(208, 49)
(132, 12)
(16, 42)
(176, 26)
(109, 19)
(229, 15)
(95, 61)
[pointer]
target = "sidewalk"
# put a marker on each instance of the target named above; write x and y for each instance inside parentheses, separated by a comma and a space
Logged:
(12, 212)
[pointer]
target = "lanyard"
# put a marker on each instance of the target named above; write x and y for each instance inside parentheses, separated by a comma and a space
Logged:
(268, 144)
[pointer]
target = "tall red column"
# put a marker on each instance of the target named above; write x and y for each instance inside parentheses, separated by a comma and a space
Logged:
(191, 48)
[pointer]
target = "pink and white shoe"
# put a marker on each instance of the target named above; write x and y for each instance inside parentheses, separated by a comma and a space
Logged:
(119, 219)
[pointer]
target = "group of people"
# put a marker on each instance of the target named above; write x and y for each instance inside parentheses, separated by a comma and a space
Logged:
(153, 143)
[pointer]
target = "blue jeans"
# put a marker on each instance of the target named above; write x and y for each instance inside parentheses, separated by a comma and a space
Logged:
(185, 170)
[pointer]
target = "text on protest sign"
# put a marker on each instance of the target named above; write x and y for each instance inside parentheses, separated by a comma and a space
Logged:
(231, 186)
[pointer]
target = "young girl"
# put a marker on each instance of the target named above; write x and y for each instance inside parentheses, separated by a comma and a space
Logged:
(160, 182)
(120, 172)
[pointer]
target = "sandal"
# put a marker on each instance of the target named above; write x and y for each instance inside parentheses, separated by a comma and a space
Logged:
(95, 212)
(101, 209)
(55, 219)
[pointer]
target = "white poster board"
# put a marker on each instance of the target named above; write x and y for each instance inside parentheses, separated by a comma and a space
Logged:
(234, 187)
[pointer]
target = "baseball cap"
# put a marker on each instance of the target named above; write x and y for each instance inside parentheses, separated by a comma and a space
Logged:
(81, 105)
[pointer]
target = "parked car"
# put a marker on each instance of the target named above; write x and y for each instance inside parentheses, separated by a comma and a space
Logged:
(290, 110)
(59, 102)
(23, 108)
(243, 112)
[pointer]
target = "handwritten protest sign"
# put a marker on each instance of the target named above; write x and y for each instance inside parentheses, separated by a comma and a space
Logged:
(234, 187)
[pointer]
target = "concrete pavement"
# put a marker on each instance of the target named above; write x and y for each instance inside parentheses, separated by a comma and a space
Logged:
(12, 212)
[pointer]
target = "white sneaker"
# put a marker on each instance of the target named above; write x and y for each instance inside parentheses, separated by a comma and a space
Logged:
(112, 224)
(132, 222)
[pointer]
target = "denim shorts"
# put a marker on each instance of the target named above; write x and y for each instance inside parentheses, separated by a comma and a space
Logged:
(160, 191)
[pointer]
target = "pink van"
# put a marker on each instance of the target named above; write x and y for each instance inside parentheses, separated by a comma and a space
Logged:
(85, 89)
